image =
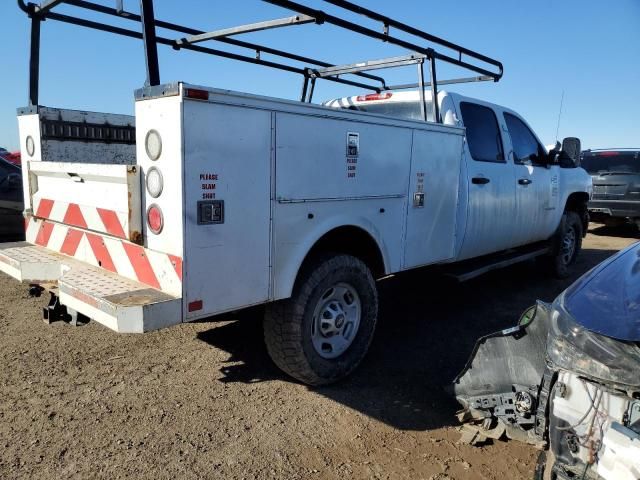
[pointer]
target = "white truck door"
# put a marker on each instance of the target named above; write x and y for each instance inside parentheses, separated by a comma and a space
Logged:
(536, 184)
(433, 195)
(491, 206)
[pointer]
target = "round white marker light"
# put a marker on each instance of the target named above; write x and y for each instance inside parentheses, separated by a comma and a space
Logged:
(154, 182)
(153, 145)
(31, 146)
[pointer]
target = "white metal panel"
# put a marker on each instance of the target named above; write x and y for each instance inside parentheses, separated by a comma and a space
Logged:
(535, 203)
(312, 160)
(107, 196)
(165, 116)
(228, 155)
(435, 170)
(29, 126)
(491, 206)
(295, 232)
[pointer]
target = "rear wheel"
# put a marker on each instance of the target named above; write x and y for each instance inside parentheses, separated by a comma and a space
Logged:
(323, 332)
(567, 244)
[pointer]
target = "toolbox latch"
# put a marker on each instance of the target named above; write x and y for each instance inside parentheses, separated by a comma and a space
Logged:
(210, 212)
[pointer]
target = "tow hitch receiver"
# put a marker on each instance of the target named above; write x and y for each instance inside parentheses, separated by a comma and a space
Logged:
(56, 312)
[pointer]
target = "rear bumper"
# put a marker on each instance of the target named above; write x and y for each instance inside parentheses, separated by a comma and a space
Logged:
(615, 208)
(117, 302)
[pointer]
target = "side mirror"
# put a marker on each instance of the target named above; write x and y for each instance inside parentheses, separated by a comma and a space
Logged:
(570, 153)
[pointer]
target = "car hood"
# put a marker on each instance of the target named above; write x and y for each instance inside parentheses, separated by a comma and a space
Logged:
(606, 300)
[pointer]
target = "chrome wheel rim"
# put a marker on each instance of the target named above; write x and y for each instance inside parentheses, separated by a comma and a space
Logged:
(568, 246)
(336, 320)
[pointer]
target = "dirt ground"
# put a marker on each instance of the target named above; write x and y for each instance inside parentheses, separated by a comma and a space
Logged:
(203, 400)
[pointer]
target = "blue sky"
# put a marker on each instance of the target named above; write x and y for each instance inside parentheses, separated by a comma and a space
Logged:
(590, 49)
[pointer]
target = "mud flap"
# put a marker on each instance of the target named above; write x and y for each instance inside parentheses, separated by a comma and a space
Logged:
(499, 388)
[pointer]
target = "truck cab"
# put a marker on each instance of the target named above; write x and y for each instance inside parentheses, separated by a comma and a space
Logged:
(512, 192)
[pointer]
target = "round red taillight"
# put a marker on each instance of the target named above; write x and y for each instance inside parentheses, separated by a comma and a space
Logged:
(155, 219)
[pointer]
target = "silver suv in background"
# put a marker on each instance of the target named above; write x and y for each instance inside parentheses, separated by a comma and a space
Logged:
(616, 185)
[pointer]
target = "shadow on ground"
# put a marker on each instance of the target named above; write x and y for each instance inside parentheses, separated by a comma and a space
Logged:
(626, 230)
(427, 328)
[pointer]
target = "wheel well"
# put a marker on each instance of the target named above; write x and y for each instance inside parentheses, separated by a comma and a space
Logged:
(577, 202)
(353, 241)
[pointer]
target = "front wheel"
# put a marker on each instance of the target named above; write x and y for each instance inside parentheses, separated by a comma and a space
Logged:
(323, 332)
(567, 243)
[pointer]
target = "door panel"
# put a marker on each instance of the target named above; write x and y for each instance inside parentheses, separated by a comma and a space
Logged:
(433, 194)
(536, 184)
(227, 153)
(490, 181)
(536, 202)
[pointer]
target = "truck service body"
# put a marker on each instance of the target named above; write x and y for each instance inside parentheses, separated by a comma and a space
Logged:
(209, 201)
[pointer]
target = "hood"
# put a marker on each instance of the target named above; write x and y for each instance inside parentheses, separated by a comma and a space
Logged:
(606, 300)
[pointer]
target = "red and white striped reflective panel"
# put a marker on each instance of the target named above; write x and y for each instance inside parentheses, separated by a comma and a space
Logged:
(158, 270)
(83, 216)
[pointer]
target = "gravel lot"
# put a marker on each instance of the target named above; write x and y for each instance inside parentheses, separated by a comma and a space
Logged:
(203, 400)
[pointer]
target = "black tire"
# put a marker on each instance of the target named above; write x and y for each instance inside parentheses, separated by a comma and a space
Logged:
(563, 256)
(288, 323)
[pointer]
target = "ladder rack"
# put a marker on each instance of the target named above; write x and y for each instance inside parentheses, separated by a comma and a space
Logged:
(423, 48)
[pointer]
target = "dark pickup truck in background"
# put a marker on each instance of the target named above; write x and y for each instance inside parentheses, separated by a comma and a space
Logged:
(11, 202)
(616, 185)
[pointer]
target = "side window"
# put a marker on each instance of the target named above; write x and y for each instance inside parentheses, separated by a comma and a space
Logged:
(525, 146)
(483, 133)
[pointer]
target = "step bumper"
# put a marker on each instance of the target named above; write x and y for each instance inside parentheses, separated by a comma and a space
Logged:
(119, 303)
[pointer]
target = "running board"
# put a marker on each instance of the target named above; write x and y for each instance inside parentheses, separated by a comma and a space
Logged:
(469, 269)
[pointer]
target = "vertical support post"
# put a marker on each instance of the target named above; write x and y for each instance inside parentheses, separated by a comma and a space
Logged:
(423, 101)
(311, 90)
(434, 91)
(150, 44)
(305, 86)
(34, 60)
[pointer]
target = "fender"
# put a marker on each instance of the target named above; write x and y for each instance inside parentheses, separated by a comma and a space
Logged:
(285, 273)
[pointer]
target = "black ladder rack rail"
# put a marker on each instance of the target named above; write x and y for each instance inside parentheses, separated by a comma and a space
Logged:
(487, 68)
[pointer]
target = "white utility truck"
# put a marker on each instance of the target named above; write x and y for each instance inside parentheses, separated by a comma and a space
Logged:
(210, 201)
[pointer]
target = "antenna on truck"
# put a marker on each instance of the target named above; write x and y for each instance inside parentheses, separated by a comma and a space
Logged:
(423, 49)
(559, 115)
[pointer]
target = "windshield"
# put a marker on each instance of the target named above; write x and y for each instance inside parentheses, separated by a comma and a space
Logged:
(609, 162)
(406, 110)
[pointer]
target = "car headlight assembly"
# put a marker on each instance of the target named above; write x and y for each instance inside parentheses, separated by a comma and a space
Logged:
(572, 347)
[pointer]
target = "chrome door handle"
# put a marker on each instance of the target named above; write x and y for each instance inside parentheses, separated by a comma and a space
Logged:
(480, 180)
(524, 181)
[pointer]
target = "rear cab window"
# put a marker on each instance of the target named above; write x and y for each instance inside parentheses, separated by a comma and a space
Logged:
(483, 133)
(526, 148)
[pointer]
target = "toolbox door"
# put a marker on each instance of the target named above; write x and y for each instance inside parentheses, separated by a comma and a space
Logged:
(227, 174)
(433, 197)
